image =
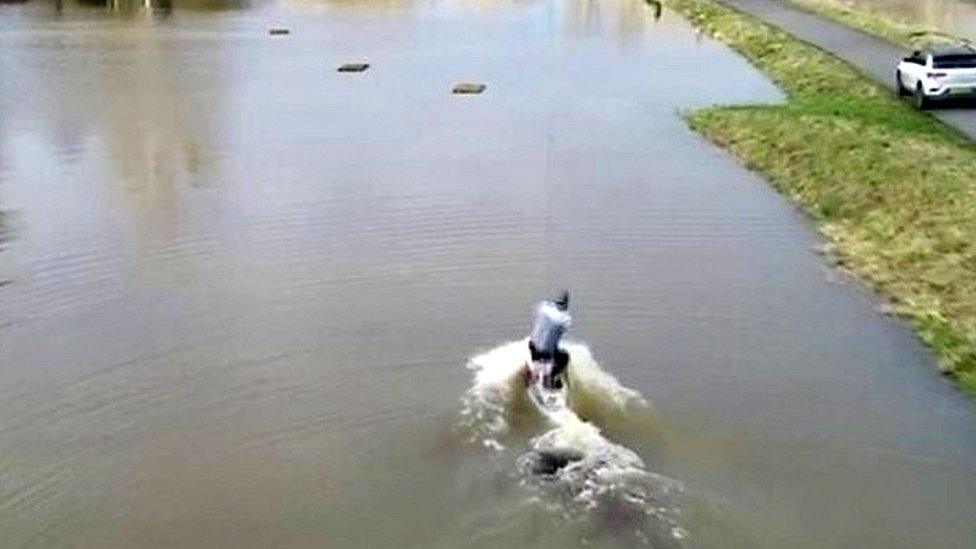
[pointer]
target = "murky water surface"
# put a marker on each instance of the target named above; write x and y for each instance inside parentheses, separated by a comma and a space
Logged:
(241, 288)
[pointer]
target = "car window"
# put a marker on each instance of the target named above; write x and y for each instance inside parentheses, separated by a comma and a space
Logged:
(917, 58)
(956, 61)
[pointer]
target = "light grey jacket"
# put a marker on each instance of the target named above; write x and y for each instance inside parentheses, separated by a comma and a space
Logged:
(550, 325)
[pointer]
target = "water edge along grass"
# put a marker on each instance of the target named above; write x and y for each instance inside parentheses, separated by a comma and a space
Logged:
(893, 189)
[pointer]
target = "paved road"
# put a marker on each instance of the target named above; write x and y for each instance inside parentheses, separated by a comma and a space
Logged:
(875, 56)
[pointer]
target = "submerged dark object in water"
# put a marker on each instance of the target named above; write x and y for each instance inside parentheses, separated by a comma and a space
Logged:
(278, 31)
(467, 88)
(550, 462)
(353, 67)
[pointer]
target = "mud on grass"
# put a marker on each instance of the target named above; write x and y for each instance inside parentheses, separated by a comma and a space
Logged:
(892, 188)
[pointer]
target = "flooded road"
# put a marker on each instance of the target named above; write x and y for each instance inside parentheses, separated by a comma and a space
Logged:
(243, 287)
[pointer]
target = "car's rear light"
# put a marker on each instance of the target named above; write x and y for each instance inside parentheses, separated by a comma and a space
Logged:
(936, 74)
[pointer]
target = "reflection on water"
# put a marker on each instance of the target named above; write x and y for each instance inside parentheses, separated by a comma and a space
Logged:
(131, 7)
(578, 16)
(954, 16)
(627, 18)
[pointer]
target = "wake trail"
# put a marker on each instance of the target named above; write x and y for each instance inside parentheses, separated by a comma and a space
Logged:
(572, 469)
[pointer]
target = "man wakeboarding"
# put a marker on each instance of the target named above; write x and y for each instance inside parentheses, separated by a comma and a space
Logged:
(549, 362)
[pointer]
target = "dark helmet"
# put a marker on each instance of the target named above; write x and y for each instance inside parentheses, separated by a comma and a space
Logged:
(562, 302)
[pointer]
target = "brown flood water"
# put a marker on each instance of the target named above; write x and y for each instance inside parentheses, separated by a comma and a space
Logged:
(242, 286)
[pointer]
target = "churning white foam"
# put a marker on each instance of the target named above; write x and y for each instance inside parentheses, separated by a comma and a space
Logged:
(571, 466)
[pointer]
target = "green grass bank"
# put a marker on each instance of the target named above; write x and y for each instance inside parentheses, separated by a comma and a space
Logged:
(879, 23)
(893, 189)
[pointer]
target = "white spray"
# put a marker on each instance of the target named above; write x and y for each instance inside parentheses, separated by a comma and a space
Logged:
(571, 463)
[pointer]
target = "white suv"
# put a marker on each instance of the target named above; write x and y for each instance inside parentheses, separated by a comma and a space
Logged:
(937, 74)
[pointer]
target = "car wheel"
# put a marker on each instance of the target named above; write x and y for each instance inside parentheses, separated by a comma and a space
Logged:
(921, 101)
(902, 92)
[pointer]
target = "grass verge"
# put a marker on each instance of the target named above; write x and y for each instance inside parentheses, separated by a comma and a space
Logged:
(879, 23)
(893, 189)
